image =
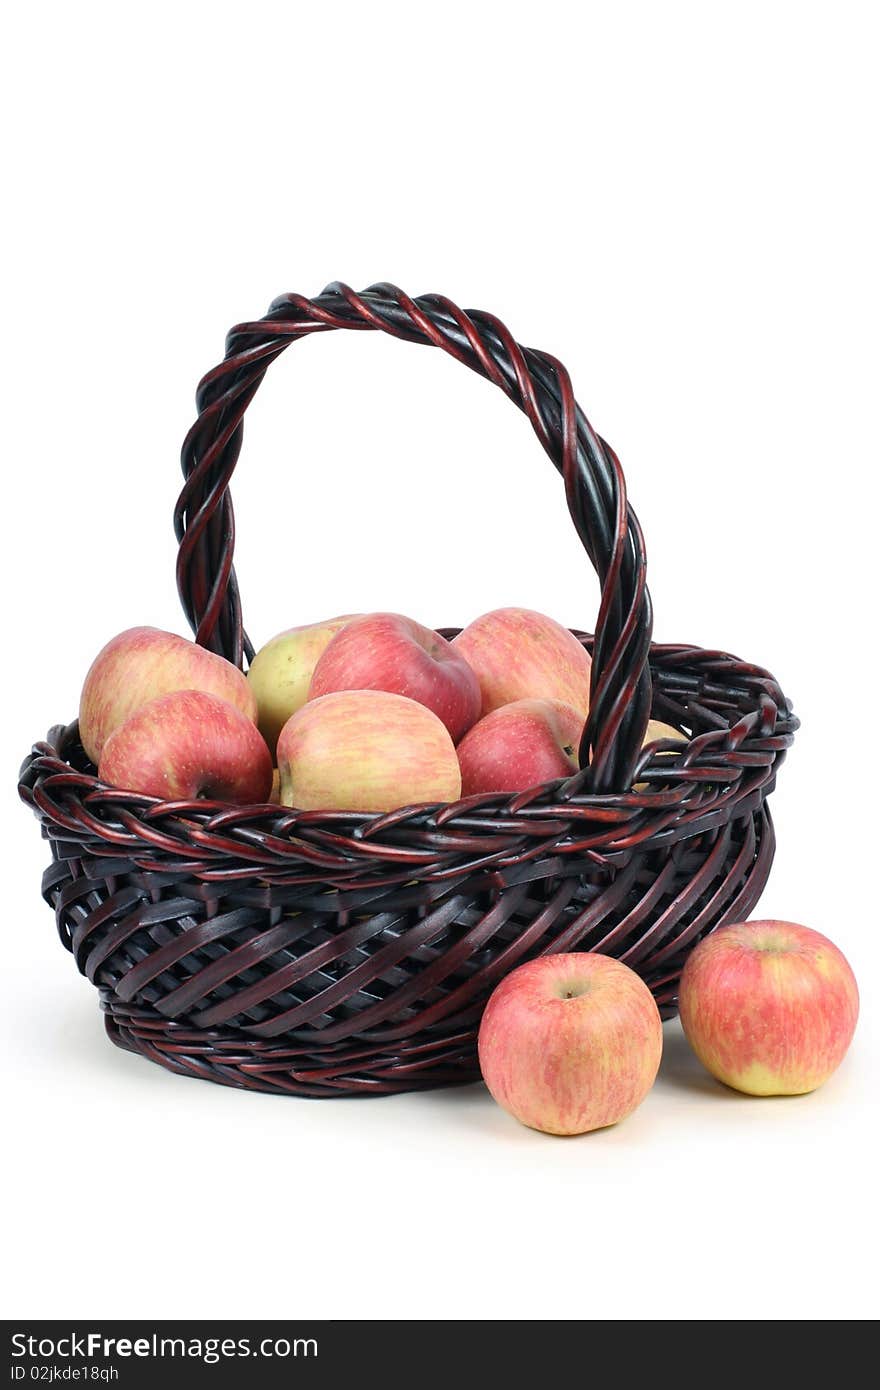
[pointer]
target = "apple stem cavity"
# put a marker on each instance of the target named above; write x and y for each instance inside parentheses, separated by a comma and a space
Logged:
(575, 991)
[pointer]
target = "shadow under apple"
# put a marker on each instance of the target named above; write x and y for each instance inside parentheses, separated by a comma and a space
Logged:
(680, 1068)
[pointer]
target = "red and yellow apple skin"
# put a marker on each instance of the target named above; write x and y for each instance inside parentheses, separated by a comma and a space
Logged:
(520, 745)
(386, 651)
(187, 745)
(139, 665)
(769, 1007)
(366, 750)
(521, 655)
(570, 1043)
(281, 672)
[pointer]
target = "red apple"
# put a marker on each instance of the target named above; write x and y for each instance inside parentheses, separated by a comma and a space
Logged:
(769, 1007)
(141, 664)
(385, 651)
(519, 746)
(366, 750)
(282, 669)
(187, 745)
(521, 655)
(570, 1043)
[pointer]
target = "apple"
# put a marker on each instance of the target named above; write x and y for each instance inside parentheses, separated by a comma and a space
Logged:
(521, 655)
(186, 745)
(654, 733)
(570, 1043)
(366, 750)
(280, 673)
(657, 730)
(386, 651)
(769, 1007)
(520, 745)
(142, 663)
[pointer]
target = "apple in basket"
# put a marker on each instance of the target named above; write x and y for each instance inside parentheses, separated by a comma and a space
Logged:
(530, 742)
(186, 745)
(520, 745)
(658, 732)
(282, 669)
(770, 1008)
(386, 651)
(366, 750)
(142, 663)
(521, 655)
(570, 1043)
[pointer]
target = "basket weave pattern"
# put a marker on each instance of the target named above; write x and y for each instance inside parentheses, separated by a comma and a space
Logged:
(323, 953)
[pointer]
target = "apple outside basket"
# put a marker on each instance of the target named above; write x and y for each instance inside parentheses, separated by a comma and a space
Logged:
(322, 953)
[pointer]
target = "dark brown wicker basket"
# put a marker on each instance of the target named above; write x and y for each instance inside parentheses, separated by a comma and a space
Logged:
(320, 953)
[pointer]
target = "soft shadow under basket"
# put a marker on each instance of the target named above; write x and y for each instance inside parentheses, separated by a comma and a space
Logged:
(322, 953)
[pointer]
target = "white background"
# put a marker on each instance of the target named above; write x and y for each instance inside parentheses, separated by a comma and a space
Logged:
(677, 200)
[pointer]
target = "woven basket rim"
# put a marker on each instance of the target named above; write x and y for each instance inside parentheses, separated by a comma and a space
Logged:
(680, 791)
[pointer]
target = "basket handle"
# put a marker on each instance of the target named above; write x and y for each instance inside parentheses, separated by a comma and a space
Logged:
(536, 382)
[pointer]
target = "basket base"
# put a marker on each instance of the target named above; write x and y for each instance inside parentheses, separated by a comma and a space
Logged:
(231, 1058)
(358, 1067)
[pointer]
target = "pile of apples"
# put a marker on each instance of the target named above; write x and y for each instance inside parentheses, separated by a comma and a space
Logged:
(364, 713)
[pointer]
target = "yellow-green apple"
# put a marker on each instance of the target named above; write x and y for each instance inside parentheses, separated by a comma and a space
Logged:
(519, 746)
(654, 733)
(142, 663)
(280, 673)
(365, 750)
(769, 1007)
(386, 651)
(570, 1043)
(657, 730)
(187, 745)
(521, 655)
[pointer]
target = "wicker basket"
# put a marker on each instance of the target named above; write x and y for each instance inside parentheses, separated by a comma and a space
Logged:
(322, 953)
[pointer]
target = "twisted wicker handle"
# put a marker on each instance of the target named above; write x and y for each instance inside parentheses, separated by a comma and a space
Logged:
(536, 382)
